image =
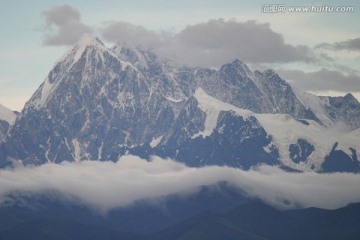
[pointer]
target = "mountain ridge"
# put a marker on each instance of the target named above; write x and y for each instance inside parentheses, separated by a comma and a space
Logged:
(99, 103)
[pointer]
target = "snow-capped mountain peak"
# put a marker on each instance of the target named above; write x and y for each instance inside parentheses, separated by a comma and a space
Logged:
(86, 54)
(88, 39)
(100, 103)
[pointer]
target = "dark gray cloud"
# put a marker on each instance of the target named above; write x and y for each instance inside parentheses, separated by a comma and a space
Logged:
(350, 45)
(107, 185)
(127, 33)
(212, 43)
(63, 26)
(250, 41)
(323, 80)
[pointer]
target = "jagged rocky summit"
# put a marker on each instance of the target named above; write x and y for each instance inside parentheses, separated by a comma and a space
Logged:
(99, 104)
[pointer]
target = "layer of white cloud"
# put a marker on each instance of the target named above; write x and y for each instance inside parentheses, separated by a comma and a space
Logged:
(106, 185)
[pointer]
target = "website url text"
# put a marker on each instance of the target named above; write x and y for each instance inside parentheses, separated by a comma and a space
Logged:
(282, 8)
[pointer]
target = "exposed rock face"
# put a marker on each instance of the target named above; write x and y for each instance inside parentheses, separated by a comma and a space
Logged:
(99, 103)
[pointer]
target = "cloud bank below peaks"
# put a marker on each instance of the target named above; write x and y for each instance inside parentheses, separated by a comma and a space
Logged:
(107, 185)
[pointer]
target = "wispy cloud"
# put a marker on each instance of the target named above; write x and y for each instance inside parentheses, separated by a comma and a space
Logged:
(350, 45)
(106, 185)
(323, 80)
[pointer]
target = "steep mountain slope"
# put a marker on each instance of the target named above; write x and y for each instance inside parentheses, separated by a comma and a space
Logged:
(91, 104)
(345, 109)
(231, 136)
(341, 111)
(299, 144)
(7, 119)
(264, 92)
(99, 103)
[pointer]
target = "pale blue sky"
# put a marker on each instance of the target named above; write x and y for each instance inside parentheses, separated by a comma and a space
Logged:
(25, 61)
